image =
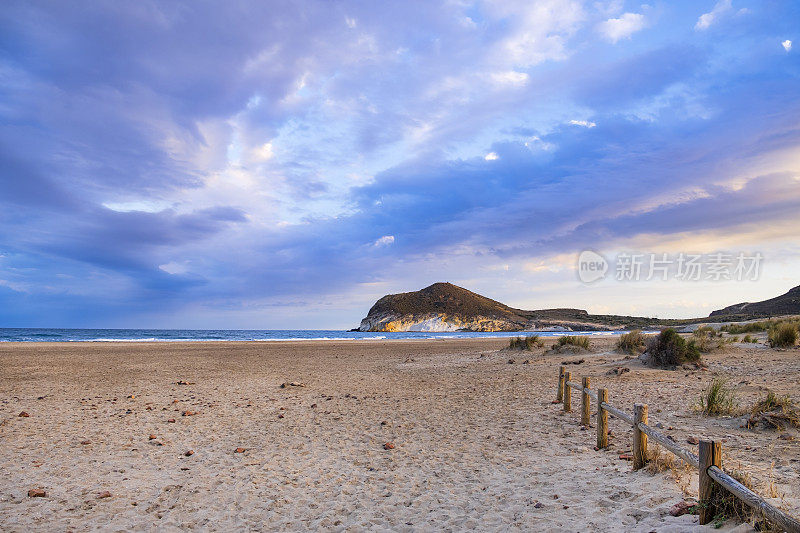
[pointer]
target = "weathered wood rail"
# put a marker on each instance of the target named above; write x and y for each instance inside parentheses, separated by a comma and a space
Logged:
(708, 462)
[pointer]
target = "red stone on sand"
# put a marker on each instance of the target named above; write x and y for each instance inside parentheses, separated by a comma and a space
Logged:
(239, 450)
(189, 453)
(37, 493)
(23, 414)
(104, 494)
(388, 446)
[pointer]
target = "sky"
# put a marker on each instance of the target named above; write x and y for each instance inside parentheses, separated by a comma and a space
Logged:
(280, 165)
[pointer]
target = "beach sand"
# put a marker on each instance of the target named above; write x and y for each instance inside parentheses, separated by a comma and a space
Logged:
(477, 442)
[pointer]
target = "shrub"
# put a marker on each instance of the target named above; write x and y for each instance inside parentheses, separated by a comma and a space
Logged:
(670, 349)
(783, 335)
(748, 338)
(569, 340)
(631, 342)
(525, 343)
(718, 399)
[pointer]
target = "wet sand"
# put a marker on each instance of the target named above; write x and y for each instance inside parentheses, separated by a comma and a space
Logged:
(477, 442)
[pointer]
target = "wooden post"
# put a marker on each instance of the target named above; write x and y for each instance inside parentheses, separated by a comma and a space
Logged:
(567, 392)
(585, 402)
(639, 438)
(602, 419)
(710, 455)
(560, 393)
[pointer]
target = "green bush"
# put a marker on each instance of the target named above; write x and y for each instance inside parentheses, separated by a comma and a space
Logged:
(718, 399)
(631, 342)
(525, 343)
(783, 335)
(670, 349)
(569, 340)
(748, 338)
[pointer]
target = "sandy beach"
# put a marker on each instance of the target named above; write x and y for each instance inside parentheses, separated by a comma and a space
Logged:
(385, 435)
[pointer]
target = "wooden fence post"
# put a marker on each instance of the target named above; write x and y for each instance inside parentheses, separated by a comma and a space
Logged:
(560, 393)
(639, 438)
(585, 402)
(602, 419)
(710, 455)
(567, 392)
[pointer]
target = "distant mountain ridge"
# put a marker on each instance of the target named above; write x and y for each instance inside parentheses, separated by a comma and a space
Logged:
(448, 307)
(785, 304)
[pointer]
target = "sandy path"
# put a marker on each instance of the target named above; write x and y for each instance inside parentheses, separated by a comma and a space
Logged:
(477, 442)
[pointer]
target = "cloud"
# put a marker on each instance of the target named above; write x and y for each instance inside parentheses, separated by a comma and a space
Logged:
(386, 240)
(707, 19)
(206, 166)
(787, 45)
(623, 27)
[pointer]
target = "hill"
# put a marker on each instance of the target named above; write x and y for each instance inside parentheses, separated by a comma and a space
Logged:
(785, 304)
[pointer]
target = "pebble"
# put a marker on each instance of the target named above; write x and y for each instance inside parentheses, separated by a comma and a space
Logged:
(37, 493)
(693, 440)
(23, 414)
(388, 446)
(171, 421)
(152, 437)
(189, 453)
(239, 450)
(103, 494)
(85, 442)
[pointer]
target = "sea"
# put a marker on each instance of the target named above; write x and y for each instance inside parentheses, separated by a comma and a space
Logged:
(266, 335)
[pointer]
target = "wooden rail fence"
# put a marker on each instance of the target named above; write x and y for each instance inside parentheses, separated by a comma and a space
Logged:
(708, 462)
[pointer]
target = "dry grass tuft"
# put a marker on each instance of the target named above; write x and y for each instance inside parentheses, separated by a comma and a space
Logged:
(774, 412)
(783, 335)
(570, 340)
(632, 342)
(718, 399)
(525, 343)
(729, 506)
